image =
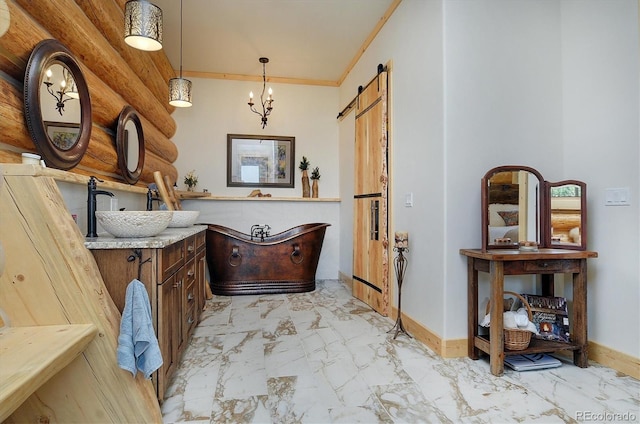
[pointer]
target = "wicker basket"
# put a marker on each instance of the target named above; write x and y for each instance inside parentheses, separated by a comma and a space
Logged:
(514, 338)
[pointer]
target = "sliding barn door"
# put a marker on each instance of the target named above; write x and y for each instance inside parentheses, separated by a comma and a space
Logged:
(370, 239)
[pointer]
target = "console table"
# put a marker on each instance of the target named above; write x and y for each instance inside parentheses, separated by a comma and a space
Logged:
(546, 262)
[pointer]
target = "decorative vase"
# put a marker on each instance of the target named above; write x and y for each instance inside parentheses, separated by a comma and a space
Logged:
(314, 189)
(306, 189)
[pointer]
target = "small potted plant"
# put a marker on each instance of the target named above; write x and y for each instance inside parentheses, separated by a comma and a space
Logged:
(304, 165)
(315, 176)
(191, 180)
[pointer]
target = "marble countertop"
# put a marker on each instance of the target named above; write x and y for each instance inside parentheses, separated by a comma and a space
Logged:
(164, 239)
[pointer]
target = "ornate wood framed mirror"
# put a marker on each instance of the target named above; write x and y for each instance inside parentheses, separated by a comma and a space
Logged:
(566, 214)
(511, 207)
(57, 105)
(130, 144)
(519, 205)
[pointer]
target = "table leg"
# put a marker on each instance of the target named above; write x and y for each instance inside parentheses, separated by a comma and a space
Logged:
(579, 334)
(472, 309)
(496, 332)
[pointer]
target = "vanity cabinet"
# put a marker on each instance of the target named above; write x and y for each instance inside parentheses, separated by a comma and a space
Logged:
(173, 272)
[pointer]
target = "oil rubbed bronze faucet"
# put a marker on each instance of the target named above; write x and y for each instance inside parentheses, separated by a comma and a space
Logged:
(92, 193)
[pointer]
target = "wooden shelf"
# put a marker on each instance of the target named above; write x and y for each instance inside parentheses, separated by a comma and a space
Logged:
(535, 346)
(30, 356)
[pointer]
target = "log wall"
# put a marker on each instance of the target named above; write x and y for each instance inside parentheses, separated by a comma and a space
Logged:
(117, 75)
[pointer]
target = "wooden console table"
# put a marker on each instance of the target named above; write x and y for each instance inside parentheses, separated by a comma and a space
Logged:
(546, 262)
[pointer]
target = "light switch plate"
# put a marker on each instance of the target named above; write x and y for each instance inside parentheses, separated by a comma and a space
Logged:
(617, 196)
(408, 200)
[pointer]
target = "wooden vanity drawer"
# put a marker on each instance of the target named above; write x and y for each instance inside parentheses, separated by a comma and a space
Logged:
(190, 246)
(172, 259)
(200, 239)
(552, 265)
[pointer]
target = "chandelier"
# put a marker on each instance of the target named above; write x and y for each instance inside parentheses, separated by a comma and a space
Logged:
(67, 89)
(266, 104)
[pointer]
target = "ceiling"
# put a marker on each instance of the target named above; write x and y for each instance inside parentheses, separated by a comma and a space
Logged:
(312, 40)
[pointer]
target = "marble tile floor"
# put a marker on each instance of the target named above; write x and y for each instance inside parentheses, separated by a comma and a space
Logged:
(325, 357)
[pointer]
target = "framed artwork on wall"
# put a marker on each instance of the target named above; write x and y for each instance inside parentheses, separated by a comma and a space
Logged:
(260, 161)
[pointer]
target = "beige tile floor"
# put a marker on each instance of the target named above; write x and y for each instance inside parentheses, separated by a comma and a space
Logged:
(325, 357)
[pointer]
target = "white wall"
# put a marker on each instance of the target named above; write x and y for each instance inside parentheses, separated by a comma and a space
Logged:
(307, 113)
(601, 146)
(476, 84)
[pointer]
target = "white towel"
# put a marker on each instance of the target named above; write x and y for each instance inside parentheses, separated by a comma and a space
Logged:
(138, 347)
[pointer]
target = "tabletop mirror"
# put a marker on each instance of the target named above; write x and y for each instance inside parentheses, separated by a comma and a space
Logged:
(57, 105)
(130, 144)
(566, 213)
(511, 207)
(518, 205)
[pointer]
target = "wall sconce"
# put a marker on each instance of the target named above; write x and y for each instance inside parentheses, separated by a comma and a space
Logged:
(143, 25)
(180, 88)
(266, 104)
(67, 88)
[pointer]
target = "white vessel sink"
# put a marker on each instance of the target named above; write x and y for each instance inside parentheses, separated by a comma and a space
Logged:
(134, 224)
(184, 218)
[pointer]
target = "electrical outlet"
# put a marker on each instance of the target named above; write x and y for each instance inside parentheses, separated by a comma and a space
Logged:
(617, 196)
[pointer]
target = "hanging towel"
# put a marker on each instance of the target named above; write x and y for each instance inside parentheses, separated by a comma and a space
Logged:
(138, 348)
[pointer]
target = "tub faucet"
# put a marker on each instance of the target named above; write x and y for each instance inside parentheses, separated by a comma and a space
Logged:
(92, 193)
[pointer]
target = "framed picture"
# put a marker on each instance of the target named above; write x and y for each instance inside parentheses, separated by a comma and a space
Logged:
(62, 134)
(260, 161)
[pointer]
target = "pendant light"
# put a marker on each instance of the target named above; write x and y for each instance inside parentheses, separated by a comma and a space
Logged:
(180, 88)
(267, 105)
(143, 25)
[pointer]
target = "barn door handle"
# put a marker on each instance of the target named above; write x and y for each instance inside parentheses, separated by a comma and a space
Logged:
(296, 252)
(374, 219)
(235, 258)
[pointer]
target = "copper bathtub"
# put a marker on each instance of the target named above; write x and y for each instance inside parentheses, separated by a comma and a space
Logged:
(282, 263)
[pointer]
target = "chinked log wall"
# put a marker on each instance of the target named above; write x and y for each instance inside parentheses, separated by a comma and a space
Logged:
(116, 74)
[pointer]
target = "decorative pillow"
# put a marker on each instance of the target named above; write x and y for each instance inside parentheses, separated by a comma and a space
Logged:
(510, 217)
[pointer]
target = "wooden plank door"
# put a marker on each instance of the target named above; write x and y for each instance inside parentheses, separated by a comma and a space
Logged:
(370, 238)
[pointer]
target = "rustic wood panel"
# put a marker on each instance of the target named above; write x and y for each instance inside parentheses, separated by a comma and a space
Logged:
(51, 279)
(66, 22)
(25, 32)
(108, 18)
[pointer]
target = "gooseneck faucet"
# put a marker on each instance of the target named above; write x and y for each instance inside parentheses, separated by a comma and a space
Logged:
(151, 197)
(92, 193)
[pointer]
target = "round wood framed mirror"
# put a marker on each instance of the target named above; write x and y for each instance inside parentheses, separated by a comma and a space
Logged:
(130, 144)
(57, 105)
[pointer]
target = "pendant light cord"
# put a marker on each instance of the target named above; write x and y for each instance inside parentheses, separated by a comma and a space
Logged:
(180, 39)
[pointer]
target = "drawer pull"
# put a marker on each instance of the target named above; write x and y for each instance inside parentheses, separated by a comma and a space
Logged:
(178, 284)
(190, 273)
(190, 320)
(190, 248)
(190, 296)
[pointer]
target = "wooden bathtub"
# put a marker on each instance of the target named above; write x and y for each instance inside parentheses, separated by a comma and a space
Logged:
(282, 263)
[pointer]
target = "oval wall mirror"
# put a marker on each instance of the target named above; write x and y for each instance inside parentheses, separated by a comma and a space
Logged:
(130, 144)
(511, 207)
(57, 105)
(566, 214)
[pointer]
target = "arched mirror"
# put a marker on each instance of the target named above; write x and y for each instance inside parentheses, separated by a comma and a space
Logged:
(57, 105)
(130, 144)
(511, 207)
(566, 214)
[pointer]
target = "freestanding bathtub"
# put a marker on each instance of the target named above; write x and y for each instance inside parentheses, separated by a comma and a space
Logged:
(282, 263)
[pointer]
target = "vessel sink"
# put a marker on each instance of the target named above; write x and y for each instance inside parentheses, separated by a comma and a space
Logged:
(184, 218)
(134, 224)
